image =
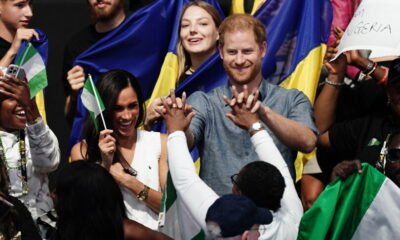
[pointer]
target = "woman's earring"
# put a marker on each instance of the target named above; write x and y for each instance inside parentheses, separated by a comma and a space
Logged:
(388, 100)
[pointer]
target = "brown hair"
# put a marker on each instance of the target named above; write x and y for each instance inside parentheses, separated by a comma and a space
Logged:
(183, 56)
(242, 22)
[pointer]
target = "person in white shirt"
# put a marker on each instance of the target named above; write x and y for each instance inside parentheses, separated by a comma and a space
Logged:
(199, 197)
(28, 147)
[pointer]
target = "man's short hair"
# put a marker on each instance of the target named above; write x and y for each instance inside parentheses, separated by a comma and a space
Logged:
(242, 22)
(263, 183)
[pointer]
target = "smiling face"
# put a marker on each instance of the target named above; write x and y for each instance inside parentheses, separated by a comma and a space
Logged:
(104, 10)
(12, 115)
(198, 31)
(125, 112)
(15, 13)
(242, 56)
(392, 167)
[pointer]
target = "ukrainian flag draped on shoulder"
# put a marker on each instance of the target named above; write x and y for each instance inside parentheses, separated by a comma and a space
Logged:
(138, 46)
(296, 44)
(41, 45)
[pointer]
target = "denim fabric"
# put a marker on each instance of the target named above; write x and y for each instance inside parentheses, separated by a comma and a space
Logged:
(225, 148)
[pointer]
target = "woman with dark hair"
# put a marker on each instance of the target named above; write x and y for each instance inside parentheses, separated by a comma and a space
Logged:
(15, 220)
(28, 148)
(135, 158)
(90, 205)
(198, 37)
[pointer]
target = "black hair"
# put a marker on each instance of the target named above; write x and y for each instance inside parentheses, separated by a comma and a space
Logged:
(89, 203)
(109, 85)
(8, 215)
(263, 183)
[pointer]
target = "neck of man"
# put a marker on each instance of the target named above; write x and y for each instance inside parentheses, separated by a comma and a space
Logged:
(199, 58)
(7, 34)
(106, 26)
(252, 85)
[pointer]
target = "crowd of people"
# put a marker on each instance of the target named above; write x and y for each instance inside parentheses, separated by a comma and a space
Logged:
(248, 133)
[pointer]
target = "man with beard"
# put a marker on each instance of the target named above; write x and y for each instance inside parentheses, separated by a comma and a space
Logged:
(107, 14)
(285, 114)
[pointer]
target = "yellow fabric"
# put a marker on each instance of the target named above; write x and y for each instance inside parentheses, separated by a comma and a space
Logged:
(167, 78)
(41, 105)
(238, 6)
(305, 78)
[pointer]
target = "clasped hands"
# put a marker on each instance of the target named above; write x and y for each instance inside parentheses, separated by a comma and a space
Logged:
(245, 107)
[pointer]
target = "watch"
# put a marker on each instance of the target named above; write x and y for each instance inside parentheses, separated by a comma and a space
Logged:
(143, 194)
(255, 127)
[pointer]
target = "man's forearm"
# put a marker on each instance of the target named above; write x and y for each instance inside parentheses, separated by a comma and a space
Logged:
(294, 135)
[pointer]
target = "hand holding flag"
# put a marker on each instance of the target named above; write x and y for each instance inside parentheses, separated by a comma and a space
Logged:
(92, 101)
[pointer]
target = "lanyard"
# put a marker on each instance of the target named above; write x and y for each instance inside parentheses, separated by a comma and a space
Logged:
(22, 160)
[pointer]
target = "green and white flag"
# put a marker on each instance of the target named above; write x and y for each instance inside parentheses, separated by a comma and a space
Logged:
(364, 206)
(92, 101)
(35, 69)
(175, 219)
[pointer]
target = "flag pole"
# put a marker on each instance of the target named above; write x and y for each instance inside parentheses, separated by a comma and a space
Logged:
(24, 56)
(97, 100)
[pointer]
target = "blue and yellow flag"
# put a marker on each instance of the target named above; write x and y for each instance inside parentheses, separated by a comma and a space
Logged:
(138, 46)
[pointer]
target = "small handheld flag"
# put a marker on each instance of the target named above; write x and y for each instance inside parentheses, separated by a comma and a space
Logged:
(33, 64)
(92, 101)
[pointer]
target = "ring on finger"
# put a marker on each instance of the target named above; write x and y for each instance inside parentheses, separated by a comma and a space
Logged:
(174, 105)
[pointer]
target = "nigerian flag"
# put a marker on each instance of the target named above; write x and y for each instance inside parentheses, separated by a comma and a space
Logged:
(175, 219)
(35, 69)
(364, 206)
(92, 101)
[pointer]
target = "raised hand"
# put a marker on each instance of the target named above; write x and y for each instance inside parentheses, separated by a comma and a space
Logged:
(22, 34)
(107, 145)
(178, 114)
(18, 89)
(154, 111)
(245, 107)
(76, 78)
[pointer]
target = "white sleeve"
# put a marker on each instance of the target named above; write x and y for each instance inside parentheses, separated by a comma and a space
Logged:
(268, 152)
(194, 193)
(44, 148)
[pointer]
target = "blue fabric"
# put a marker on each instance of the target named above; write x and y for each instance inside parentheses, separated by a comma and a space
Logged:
(138, 45)
(224, 147)
(41, 45)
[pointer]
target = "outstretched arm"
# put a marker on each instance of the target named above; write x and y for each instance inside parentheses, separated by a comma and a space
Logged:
(187, 183)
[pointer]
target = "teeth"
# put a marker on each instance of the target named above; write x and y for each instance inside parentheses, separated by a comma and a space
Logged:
(21, 113)
(126, 123)
(194, 40)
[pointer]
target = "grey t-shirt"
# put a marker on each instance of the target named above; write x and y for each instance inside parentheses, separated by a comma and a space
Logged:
(225, 148)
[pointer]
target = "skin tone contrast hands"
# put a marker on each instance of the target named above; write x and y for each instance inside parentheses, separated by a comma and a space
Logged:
(176, 113)
(245, 108)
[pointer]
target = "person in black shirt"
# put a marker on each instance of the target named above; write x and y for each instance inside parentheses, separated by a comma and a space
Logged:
(14, 20)
(107, 16)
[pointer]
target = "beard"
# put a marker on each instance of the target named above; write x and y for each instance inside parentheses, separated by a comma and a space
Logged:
(241, 80)
(103, 15)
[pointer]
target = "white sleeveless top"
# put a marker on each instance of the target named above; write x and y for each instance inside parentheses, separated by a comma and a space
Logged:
(145, 162)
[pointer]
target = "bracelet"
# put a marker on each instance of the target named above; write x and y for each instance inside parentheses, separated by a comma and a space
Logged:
(383, 79)
(369, 67)
(338, 84)
(373, 69)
